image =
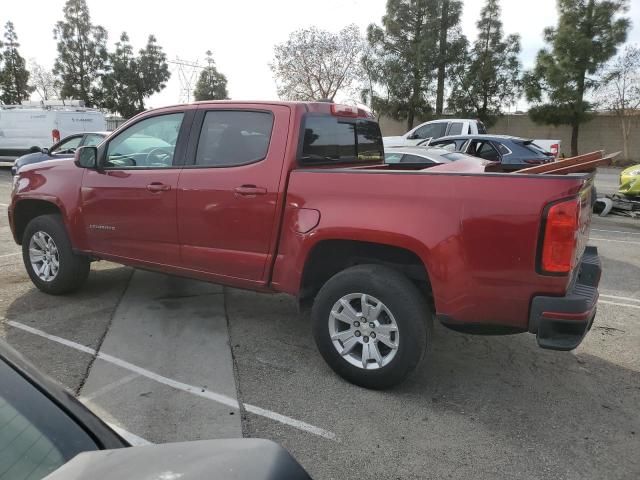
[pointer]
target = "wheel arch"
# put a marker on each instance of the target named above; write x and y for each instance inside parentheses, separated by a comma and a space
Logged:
(332, 255)
(28, 209)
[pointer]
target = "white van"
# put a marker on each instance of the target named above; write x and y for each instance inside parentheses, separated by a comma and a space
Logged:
(36, 125)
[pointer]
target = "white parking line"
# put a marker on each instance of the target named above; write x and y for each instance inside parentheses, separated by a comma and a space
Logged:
(616, 241)
(108, 387)
(11, 255)
(4, 205)
(616, 297)
(615, 231)
(198, 391)
(619, 304)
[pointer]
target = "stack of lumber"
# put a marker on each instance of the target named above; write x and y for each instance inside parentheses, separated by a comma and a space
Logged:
(580, 164)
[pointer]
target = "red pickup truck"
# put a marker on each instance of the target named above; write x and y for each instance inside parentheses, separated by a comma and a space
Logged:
(296, 198)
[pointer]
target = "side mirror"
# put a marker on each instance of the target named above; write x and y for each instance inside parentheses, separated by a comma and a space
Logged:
(36, 149)
(413, 136)
(86, 157)
(45, 151)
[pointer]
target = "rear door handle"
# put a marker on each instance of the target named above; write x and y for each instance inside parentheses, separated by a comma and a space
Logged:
(158, 187)
(249, 191)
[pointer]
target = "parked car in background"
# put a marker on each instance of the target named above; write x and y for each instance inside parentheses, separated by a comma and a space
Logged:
(36, 124)
(513, 153)
(630, 181)
(421, 155)
(65, 148)
(46, 432)
(436, 129)
(426, 133)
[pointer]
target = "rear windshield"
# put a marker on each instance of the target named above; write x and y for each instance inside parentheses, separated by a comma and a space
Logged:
(333, 140)
(535, 149)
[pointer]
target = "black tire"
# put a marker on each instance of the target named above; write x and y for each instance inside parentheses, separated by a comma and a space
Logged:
(403, 300)
(73, 269)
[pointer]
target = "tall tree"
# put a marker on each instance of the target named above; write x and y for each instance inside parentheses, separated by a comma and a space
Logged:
(212, 85)
(405, 54)
(153, 70)
(132, 78)
(587, 36)
(82, 54)
(42, 81)
(489, 76)
(14, 76)
(314, 64)
(119, 83)
(451, 44)
(619, 91)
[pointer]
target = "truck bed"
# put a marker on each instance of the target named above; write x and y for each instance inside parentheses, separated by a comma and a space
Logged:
(476, 232)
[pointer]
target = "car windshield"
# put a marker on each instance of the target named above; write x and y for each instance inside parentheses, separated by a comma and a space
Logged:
(36, 437)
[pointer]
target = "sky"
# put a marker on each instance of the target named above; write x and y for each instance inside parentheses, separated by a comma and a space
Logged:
(242, 33)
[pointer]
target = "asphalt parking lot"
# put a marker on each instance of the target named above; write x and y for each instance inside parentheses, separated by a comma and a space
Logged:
(168, 359)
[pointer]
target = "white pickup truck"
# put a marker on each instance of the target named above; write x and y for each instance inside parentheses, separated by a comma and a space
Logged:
(423, 133)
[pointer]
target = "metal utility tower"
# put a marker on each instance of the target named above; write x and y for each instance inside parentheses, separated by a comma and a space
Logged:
(187, 74)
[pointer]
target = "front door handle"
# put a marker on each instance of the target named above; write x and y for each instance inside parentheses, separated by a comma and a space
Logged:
(249, 191)
(158, 187)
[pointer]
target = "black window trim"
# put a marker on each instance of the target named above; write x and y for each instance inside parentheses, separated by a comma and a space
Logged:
(196, 131)
(300, 162)
(178, 154)
(497, 146)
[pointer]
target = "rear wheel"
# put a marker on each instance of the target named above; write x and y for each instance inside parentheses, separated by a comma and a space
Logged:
(49, 258)
(371, 325)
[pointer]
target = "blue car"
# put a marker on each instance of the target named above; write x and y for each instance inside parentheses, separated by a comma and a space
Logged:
(513, 153)
(65, 148)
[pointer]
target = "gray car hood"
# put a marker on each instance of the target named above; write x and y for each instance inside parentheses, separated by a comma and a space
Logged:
(233, 459)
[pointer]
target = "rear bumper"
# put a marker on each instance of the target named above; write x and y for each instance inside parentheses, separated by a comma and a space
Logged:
(560, 323)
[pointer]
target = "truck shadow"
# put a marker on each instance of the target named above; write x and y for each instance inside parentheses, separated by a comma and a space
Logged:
(497, 396)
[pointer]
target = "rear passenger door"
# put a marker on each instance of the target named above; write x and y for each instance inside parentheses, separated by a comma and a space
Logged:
(228, 192)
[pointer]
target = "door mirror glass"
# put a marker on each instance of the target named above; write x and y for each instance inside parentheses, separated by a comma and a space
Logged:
(86, 157)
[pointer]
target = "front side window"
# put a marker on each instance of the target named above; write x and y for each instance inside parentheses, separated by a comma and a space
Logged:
(329, 139)
(455, 129)
(150, 143)
(68, 146)
(432, 130)
(231, 138)
(36, 437)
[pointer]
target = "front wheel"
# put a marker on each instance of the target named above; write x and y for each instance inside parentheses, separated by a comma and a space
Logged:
(49, 258)
(371, 325)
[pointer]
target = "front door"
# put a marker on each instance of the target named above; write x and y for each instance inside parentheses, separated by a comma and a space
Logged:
(228, 197)
(129, 206)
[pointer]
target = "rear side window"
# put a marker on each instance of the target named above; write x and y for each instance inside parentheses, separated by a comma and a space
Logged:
(332, 140)
(482, 130)
(230, 138)
(502, 149)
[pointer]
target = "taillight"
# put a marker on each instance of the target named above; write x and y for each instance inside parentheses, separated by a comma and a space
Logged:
(55, 135)
(560, 237)
(555, 149)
